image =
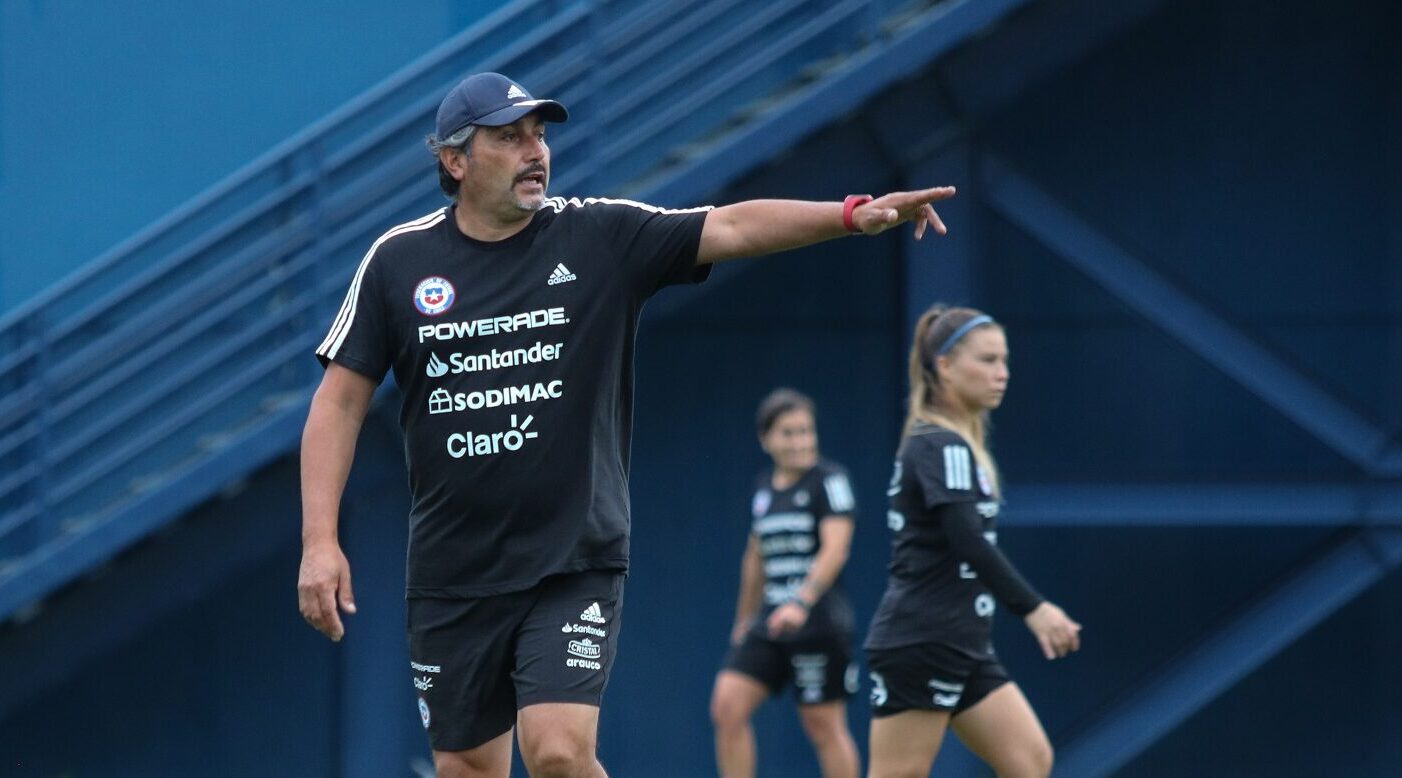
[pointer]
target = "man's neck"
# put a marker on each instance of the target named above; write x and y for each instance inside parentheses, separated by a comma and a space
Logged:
(481, 226)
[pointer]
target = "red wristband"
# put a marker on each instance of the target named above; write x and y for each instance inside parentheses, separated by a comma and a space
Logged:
(848, 206)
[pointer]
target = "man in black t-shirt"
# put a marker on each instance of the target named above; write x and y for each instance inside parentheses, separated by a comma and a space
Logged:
(508, 319)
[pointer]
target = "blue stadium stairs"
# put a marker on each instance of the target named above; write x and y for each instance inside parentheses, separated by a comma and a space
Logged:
(177, 375)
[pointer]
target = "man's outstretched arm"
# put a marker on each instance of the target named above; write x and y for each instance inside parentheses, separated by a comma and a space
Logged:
(757, 227)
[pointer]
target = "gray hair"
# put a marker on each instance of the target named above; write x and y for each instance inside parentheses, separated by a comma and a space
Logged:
(460, 140)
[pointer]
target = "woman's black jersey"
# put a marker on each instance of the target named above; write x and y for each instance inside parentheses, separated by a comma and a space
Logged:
(786, 527)
(945, 567)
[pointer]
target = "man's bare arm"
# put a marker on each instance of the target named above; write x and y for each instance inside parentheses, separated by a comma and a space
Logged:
(328, 448)
(757, 227)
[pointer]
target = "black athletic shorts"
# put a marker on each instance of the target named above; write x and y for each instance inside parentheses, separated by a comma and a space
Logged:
(475, 662)
(820, 668)
(930, 676)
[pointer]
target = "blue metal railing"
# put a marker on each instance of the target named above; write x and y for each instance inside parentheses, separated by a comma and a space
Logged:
(134, 370)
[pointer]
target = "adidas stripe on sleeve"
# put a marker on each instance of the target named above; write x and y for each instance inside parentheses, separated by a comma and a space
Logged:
(945, 467)
(958, 471)
(839, 493)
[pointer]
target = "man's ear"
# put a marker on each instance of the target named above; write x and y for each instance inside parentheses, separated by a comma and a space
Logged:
(454, 161)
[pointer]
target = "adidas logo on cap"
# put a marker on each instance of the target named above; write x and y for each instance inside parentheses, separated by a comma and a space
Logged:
(515, 93)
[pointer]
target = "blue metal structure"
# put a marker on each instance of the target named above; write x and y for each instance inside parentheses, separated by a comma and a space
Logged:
(1371, 550)
(254, 260)
(1301, 474)
(178, 102)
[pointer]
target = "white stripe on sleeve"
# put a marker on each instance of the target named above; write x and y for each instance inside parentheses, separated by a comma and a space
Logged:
(340, 328)
(839, 491)
(957, 473)
(559, 204)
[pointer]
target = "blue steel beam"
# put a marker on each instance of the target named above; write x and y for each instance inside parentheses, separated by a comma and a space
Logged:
(231, 531)
(1187, 320)
(1196, 505)
(985, 78)
(32, 577)
(36, 575)
(85, 622)
(268, 163)
(863, 76)
(1278, 619)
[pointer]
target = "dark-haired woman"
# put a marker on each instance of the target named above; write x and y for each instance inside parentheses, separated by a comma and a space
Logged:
(793, 624)
(929, 647)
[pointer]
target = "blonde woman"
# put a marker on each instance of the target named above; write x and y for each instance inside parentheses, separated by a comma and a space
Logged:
(929, 648)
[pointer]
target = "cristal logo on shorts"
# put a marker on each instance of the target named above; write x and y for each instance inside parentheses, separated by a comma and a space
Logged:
(584, 654)
(945, 694)
(585, 648)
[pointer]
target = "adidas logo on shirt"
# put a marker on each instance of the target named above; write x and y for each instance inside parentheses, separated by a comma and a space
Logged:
(592, 613)
(515, 93)
(560, 275)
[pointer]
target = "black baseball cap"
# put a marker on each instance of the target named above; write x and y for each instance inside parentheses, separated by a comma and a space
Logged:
(492, 100)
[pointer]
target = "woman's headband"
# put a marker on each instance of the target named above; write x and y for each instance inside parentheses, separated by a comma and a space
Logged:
(963, 330)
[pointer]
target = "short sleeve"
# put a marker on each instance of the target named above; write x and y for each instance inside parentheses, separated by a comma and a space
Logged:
(662, 245)
(944, 466)
(835, 495)
(358, 338)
